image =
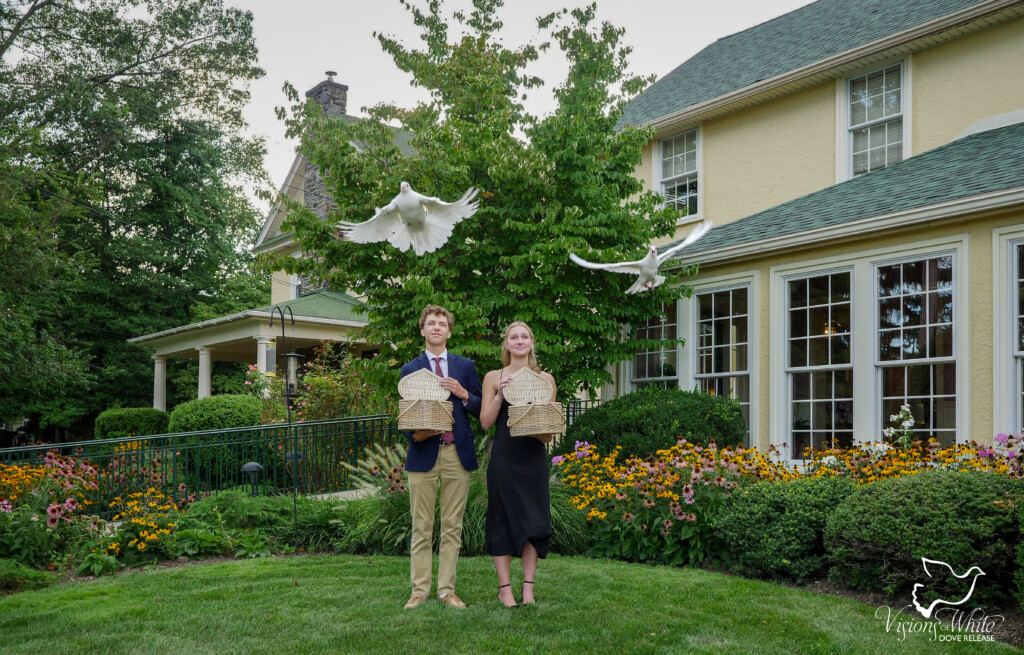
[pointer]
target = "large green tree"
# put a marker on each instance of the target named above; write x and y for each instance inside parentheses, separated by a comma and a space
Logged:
(121, 122)
(553, 185)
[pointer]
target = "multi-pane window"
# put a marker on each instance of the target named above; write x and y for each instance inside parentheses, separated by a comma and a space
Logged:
(307, 285)
(876, 119)
(679, 171)
(656, 364)
(819, 364)
(1018, 347)
(723, 348)
(915, 345)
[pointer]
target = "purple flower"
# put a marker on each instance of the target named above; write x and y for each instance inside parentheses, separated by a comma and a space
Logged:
(70, 504)
(1001, 437)
(5, 506)
(54, 510)
(52, 521)
(557, 459)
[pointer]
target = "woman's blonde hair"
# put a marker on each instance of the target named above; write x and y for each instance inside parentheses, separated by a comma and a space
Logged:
(506, 356)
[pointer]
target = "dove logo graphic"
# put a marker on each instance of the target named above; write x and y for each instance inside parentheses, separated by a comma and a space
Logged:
(941, 568)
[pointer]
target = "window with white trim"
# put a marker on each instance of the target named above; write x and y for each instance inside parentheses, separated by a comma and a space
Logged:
(679, 172)
(1018, 333)
(916, 358)
(306, 285)
(875, 119)
(819, 366)
(723, 346)
(657, 365)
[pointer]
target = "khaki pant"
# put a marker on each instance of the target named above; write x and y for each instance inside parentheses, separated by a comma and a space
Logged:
(454, 481)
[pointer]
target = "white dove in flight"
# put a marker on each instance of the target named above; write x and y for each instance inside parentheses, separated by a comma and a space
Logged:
(646, 269)
(926, 612)
(412, 219)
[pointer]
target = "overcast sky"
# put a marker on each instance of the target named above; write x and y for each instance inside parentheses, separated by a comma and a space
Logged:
(299, 40)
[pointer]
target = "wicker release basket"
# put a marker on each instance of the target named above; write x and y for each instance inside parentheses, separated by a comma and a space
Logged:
(536, 418)
(424, 414)
(423, 405)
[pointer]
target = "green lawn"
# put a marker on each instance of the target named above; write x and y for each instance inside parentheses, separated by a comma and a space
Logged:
(349, 604)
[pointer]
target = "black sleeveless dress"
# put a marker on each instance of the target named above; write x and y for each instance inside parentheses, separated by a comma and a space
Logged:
(518, 498)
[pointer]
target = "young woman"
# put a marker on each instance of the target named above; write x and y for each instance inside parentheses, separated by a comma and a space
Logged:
(518, 501)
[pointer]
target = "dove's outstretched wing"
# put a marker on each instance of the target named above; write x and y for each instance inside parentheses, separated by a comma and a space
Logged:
(451, 212)
(619, 267)
(697, 232)
(379, 228)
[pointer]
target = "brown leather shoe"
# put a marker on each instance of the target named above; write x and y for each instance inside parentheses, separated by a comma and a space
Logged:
(452, 600)
(414, 601)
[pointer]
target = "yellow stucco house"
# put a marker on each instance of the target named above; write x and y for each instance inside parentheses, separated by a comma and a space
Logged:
(863, 164)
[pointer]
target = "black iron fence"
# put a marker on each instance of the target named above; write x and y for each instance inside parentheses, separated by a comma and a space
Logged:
(308, 455)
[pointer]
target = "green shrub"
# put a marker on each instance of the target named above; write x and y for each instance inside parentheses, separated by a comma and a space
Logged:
(877, 537)
(653, 419)
(130, 421)
(219, 465)
(15, 577)
(215, 413)
(237, 510)
(776, 529)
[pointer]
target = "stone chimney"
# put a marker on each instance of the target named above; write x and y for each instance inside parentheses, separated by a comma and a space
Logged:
(333, 97)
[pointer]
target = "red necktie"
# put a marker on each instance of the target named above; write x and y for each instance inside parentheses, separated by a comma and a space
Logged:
(446, 437)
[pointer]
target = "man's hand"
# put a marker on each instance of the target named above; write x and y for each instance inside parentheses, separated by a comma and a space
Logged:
(452, 385)
(420, 435)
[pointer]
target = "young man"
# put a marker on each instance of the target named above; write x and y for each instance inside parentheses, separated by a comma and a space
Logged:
(445, 458)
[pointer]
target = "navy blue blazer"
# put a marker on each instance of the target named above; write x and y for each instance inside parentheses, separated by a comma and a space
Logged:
(422, 455)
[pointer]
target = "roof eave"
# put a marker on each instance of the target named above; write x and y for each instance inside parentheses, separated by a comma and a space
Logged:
(925, 35)
(248, 314)
(993, 202)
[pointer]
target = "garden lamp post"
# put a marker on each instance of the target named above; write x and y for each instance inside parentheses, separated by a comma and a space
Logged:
(291, 386)
(253, 469)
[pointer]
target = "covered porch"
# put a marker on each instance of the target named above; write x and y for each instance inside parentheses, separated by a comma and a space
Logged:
(247, 336)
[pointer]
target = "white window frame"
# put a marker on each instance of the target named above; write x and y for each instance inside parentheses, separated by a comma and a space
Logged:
(806, 275)
(881, 420)
(1007, 384)
(844, 137)
(631, 385)
(689, 312)
(659, 180)
(867, 404)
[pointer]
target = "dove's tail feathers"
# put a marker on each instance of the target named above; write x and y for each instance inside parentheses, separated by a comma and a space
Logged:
(400, 239)
(430, 238)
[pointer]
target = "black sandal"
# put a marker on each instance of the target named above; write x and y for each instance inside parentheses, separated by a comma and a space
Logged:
(535, 601)
(500, 587)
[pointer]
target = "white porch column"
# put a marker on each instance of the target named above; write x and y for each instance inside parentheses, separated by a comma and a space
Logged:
(261, 353)
(205, 371)
(160, 382)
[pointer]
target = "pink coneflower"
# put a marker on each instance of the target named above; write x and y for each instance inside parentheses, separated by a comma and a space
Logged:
(70, 504)
(5, 506)
(55, 510)
(181, 487)
(52, 521)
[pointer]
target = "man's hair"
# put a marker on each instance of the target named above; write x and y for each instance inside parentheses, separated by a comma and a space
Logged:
(433, 310)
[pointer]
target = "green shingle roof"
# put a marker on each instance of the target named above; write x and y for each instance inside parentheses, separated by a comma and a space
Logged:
(802, 37)
(322, 303)
(976, 164)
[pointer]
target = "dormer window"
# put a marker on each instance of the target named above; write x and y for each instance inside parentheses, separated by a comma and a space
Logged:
(679, 172)
(875, 119)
